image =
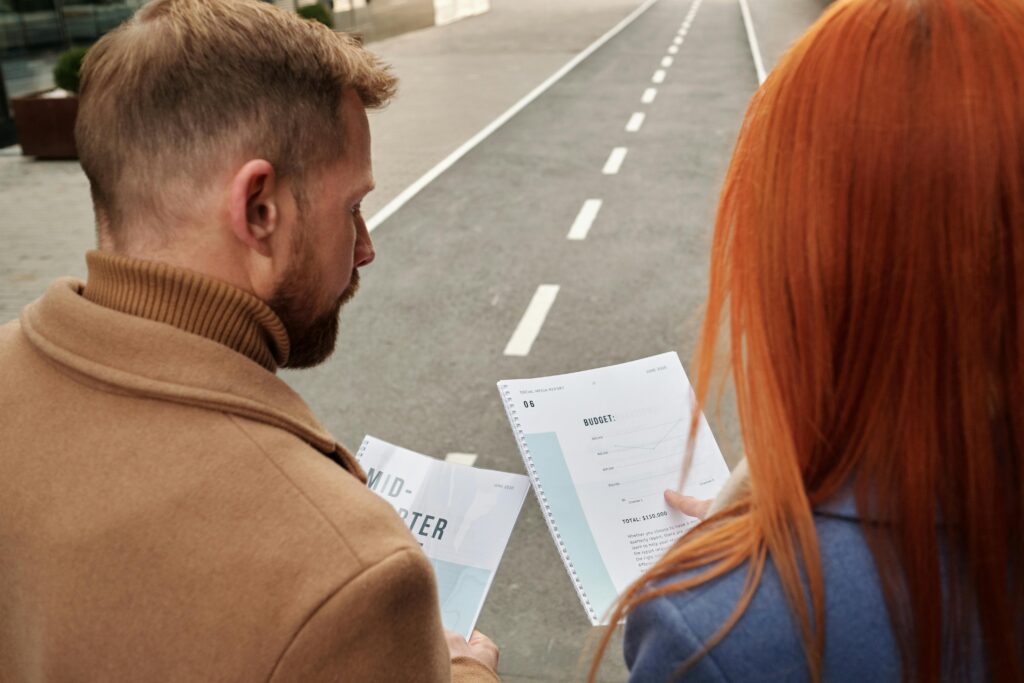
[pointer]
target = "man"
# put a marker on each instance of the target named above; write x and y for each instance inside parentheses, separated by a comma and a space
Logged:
(169, 509)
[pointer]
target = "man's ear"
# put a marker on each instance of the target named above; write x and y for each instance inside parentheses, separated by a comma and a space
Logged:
(253, 209)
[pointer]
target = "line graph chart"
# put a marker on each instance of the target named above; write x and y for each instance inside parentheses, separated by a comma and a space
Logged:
(640, 460)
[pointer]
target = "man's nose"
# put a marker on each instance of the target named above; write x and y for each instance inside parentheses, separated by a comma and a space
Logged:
(364, 247)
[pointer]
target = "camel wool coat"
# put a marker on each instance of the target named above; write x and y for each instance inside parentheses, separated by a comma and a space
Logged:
(172, 511)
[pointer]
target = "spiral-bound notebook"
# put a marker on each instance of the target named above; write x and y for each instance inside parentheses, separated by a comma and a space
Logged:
(462, 517)
(601, 446)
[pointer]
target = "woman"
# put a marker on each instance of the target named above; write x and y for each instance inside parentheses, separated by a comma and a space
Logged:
(868, 263)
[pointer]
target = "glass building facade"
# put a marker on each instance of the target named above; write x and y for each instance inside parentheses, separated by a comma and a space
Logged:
(34, 32)
(30, 25)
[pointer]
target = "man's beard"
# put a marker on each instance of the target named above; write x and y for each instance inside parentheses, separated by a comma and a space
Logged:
(312, 334)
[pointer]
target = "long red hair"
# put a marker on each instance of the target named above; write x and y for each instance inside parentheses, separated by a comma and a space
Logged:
(868, 264)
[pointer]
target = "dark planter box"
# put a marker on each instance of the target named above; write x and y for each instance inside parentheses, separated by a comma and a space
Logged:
(46, 125)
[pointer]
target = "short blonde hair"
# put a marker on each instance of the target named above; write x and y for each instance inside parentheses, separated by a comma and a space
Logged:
(187, 85)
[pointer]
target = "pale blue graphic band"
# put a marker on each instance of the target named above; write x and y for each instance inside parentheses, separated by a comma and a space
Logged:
(567, 514)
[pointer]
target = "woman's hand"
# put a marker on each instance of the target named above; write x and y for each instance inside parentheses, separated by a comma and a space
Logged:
(688, 505)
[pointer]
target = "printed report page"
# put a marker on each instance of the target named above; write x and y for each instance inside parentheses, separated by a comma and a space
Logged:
(605, 444)
(462, 517)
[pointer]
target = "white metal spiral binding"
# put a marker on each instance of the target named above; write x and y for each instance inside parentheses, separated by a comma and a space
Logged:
(545, 508)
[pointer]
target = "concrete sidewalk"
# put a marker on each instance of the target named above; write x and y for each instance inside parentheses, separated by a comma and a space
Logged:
(455, 79)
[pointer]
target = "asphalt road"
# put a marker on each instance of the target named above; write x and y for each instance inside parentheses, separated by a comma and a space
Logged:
(423, 344)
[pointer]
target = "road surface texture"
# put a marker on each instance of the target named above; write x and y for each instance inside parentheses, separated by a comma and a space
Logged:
(644, 125)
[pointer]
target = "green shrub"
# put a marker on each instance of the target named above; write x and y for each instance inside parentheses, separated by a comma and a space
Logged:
(67, 72)
(317, 12)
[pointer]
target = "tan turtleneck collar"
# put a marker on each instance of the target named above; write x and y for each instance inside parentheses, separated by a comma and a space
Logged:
(189, 301)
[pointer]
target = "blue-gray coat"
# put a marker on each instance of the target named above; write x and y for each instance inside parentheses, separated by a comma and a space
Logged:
(765, 644)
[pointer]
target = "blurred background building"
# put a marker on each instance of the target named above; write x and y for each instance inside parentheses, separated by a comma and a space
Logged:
(34, 32)
(377, 19)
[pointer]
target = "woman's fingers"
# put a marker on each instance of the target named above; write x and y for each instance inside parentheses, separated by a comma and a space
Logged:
(688, 505)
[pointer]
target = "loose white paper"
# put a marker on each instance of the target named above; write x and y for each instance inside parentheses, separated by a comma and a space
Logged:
(462, 517)
(601, 446)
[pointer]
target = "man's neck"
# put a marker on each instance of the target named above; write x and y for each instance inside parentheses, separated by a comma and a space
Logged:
(188, 300)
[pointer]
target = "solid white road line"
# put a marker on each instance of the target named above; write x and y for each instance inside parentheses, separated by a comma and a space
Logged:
(468, 459)
(666, 62)
(614, 163)
(755, 49)
(635, 121)
(649, 95)
(584, 219)
(529, 327)
(677, 41)
(408, 193)
(673, 49)
(658, 77)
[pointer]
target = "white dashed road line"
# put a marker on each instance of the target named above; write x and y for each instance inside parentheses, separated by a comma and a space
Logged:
(543, 299)
(468, 459)
(614, 163)
(412, 190)
(584, 219)
(635, 121)
(533, 319)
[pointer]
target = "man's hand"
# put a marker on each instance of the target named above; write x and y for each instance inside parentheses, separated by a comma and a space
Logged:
(688, 505)
(479, 647)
